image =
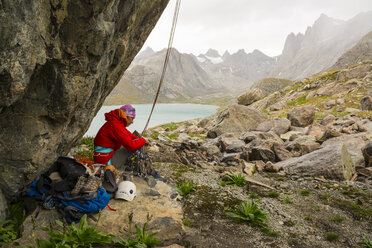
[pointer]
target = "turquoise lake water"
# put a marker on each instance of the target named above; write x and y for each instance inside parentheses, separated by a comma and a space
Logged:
(163, 113)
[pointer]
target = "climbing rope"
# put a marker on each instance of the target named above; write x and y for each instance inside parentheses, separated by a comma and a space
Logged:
(175, 16)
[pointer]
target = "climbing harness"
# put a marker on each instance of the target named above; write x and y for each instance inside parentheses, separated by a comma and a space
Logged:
(175, 16)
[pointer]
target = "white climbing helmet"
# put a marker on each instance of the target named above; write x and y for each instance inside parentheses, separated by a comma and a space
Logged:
(126, 191)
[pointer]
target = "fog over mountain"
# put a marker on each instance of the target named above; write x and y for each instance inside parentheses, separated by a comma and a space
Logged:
(320, 46)
(191, 78)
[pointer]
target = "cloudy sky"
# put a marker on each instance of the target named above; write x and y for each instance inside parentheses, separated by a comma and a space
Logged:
(245, 24)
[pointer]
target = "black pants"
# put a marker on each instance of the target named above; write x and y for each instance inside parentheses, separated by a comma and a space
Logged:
(120, 157)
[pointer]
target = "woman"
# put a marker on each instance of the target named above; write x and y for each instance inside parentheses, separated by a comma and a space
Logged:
(113, 135)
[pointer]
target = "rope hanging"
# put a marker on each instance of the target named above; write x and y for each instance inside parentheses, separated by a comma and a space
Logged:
(175, 16)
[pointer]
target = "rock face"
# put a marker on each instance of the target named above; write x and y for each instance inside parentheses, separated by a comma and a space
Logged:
(235, 119)
(367, 154)
(250, 96)
(159, 201)
(301, 117)
(320, 46)
(58, 62)
(332, 162)
(360, 52)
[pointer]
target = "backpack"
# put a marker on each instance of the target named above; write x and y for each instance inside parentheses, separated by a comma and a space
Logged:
(139, 163)
(58, 195)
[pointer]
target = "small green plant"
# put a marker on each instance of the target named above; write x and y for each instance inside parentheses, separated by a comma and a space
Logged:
(154, 136)
(185, 188)
(89, 143)
(338, 219)
(172, 135)
(250, 212)
(186, 221)
(143, 239)
(274, 194)
(332, 236)
(367, 242)
(287, 200)
(309, 218)
(324, 196)
(290, 223)
(171, 126)
(298, 101)
(7, 232)
(305, 192)
(72, 236)
(9, 228)
(235, 179)
(253, 196)
(327, 185)
(282, 179)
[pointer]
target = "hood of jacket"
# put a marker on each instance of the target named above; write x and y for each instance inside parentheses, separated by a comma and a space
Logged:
(117, 115)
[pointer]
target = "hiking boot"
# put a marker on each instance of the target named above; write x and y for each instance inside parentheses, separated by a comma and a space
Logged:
(92, 184)
(157, 176)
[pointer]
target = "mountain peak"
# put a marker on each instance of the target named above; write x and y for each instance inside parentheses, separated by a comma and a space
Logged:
(212, 53)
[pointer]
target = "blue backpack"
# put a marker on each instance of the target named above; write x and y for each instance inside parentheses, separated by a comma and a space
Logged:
(72, 208)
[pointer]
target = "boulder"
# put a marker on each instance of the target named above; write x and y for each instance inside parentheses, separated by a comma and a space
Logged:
(261, 153)
(290, 135)
(236, 119)
(265, 126)
(230, 145)
(250, 96)
(3, 206)
(270, 167)
(366, 103)
(367, 154)
(331, 162)
(316, 131)
(302, 145)
(328, 120)
(278, 126)
(354, 144)
(59, 60)
(266, 102)
(281, 153)
(160, 201)
(301, 116)
(357, 72)
(281, 126)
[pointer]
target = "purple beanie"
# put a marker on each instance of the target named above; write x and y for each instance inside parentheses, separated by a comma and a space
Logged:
(129, 110)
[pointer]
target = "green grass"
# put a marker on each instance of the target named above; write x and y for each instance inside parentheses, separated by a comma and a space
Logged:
(187, 222)
(249, 212)
(196, 135)
(235, 179)
(171, 126)
(282, 179)
(172, 135)
(273, 194)
(305, 192)
(10, 228)
(324, 196)
(338, 219)
(287, 200)
(73, 236)
(298, 101)
(332, 236)
(185, 188)
(154, 136)
(367, 242)
(89, 143)
(309, 218)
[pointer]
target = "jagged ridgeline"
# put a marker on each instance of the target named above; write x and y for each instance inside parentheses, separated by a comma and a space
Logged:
(215, 78)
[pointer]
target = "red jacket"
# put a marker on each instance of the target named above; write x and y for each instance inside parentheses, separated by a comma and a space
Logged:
(114, 134)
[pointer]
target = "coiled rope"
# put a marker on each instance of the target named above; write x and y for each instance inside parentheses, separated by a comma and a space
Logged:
(175, 16)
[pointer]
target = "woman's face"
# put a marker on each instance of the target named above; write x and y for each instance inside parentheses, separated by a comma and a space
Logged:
(130, 120)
